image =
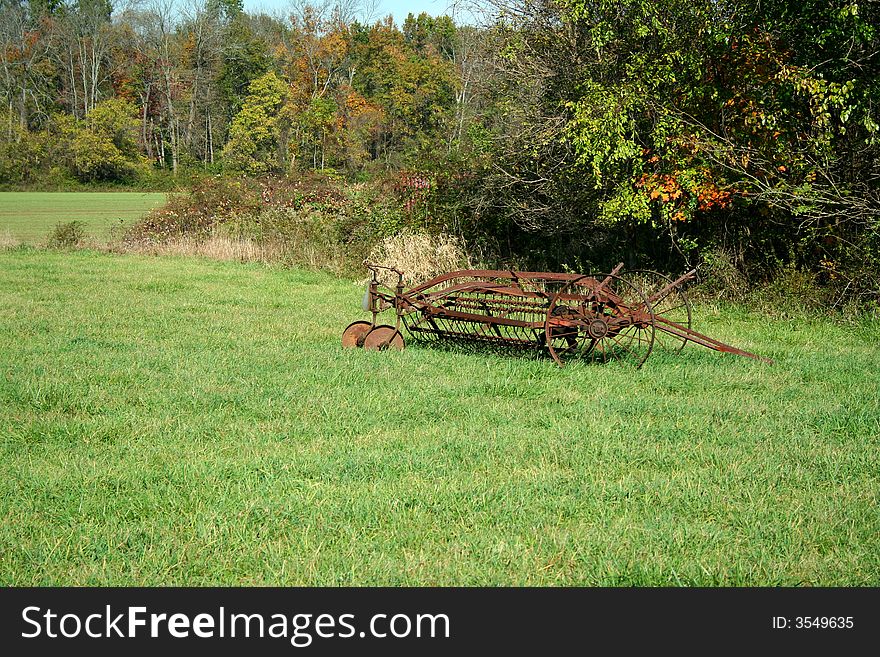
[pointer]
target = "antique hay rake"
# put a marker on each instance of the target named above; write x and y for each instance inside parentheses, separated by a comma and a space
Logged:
(619, 316)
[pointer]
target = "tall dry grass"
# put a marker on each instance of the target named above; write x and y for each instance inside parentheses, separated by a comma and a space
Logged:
(419, 256)
(293, 252)
(217, 247)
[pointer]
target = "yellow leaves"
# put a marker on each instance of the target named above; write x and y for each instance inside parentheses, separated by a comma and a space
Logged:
(189, 44)
(332, 48)
(354, 102)
(830, 266)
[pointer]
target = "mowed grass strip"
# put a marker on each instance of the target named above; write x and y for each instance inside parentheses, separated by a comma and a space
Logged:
(184, 421)
(30, 216)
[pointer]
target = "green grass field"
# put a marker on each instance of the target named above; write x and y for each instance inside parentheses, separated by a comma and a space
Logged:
(29, 216)
(184, 421)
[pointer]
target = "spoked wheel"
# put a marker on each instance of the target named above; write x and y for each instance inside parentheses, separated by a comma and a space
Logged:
(354, 334)
(667, 303)
(603, 318)
(383, 337)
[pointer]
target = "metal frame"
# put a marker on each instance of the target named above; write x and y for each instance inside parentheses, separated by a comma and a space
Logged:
(600, 316)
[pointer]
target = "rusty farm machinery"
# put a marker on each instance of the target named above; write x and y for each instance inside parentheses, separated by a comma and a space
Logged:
(618, 316)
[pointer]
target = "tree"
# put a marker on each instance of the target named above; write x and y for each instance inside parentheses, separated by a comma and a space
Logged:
(102, 146)
(203, 32)
(258, 133)
(415, 91)
(25, 46)
(244, 58)
(160, 51)
(22, 153)
(86, 36)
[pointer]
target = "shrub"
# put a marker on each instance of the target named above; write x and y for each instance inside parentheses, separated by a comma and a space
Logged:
(792, 292)
(198, 211)
(311, 220)
(67, 235)
(720, 278)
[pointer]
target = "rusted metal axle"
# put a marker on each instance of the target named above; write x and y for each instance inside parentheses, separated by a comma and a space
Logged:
(615, 316)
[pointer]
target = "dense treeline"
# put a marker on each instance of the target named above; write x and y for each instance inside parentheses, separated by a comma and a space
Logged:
(736, 134)
(200, 83)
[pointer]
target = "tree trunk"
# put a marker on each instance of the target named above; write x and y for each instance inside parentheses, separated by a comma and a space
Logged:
(22, 109)
(148, 147)
(210, 139)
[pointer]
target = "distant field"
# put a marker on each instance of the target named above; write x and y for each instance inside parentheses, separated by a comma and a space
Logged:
(29, 216)
(193, 422)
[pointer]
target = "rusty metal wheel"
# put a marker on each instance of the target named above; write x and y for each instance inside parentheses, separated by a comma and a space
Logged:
(383, 337)
(673, 304)
(354, 334)
(603, 318)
